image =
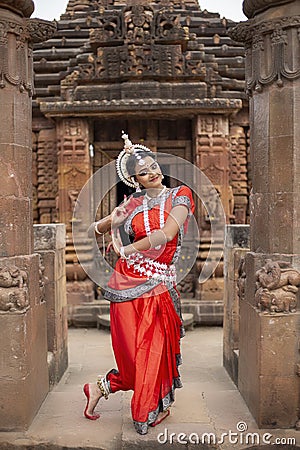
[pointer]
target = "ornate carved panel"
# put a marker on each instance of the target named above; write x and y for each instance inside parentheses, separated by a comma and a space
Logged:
(270, 51)
(15, 54)
(168, 28)
(276, 288)
(138, 21)
(34, 179)
(14, 296)
(73, 164)
(15, 57)
(212, 157)
(47, 185)
(110, 30)
(238, 173)
(39, 30)
(137, 41)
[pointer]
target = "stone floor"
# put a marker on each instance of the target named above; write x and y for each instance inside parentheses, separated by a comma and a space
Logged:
(208, 403)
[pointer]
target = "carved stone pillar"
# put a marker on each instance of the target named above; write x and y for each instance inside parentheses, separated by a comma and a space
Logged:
(74, 170)
(23, 354)
(213, 159)
(270, 311)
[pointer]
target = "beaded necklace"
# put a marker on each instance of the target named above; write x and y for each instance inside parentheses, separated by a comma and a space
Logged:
(162, 194)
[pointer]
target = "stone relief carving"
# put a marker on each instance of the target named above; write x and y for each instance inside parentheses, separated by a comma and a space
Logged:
(13, 70)
(239, 173)
(47, 186)
(138, 24)
(241, 281)
(139, 41)
(16, 70)
(12, 276)
(268, 51)
(39, 30)
(42, 279)
(13, 290)
(210, 197)
(276, 287)
(168, 28)
(110, 29)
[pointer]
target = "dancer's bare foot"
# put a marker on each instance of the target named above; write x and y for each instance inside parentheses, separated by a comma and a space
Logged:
(161, 416)
(93, 395)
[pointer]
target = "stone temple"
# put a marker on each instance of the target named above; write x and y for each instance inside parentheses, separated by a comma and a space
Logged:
(167, 73)
(185, 82)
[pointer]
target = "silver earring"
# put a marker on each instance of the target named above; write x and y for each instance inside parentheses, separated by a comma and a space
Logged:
(137, 186)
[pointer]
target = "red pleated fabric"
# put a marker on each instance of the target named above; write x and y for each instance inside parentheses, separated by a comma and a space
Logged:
(146, 342)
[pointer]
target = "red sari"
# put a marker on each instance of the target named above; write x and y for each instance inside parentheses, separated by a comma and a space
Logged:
(146, 323)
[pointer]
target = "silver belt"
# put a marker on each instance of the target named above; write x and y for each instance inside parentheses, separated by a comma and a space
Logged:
(152, 269)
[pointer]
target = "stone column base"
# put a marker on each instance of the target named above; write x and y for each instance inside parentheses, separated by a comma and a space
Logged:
(269, 344)
(24, 381)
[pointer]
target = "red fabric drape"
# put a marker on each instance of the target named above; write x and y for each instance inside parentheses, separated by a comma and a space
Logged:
(145, 337)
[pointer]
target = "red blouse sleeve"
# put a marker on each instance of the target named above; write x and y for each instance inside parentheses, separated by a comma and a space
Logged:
(183, 196)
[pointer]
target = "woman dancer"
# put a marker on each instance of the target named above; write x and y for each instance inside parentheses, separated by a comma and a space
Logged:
(146, 323)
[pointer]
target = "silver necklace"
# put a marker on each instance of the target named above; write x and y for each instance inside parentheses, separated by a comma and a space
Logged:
(162, 202)
(159, 195)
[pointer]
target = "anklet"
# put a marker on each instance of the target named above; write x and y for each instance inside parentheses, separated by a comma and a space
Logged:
(101, 382)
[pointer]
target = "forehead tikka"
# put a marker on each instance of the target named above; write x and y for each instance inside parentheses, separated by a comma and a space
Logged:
(128, 150)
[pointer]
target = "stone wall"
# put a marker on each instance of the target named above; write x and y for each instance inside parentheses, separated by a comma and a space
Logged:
(236, 246)
(50, 242)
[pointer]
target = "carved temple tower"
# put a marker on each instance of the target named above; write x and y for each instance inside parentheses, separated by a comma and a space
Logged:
(166, 72)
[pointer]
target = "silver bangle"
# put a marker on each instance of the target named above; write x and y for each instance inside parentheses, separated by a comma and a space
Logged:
(96, 229)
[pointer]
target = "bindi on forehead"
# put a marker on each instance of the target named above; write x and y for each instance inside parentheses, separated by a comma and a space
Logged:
(144, 163)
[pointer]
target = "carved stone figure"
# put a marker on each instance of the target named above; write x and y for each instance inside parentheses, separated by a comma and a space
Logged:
(12, 276)
(13, 290)
(241, 279)
(42, 280)
(277, 286)
(13, 300)
(276, 274)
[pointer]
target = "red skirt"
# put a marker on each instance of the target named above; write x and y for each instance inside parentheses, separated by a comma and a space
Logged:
(146, 342)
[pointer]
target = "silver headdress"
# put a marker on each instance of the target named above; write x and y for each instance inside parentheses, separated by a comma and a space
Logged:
(128, 150)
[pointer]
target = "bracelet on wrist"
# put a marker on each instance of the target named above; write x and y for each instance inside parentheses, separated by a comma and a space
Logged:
(96, 229)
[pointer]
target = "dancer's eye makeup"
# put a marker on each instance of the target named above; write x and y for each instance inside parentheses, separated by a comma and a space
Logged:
(145, 172)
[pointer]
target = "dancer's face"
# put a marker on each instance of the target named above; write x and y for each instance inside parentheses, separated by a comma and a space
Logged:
(148, 173)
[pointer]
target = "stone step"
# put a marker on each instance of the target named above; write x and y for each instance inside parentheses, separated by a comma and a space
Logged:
(103, 320)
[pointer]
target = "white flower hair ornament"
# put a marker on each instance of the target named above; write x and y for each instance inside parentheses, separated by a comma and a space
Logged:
(128, 150)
